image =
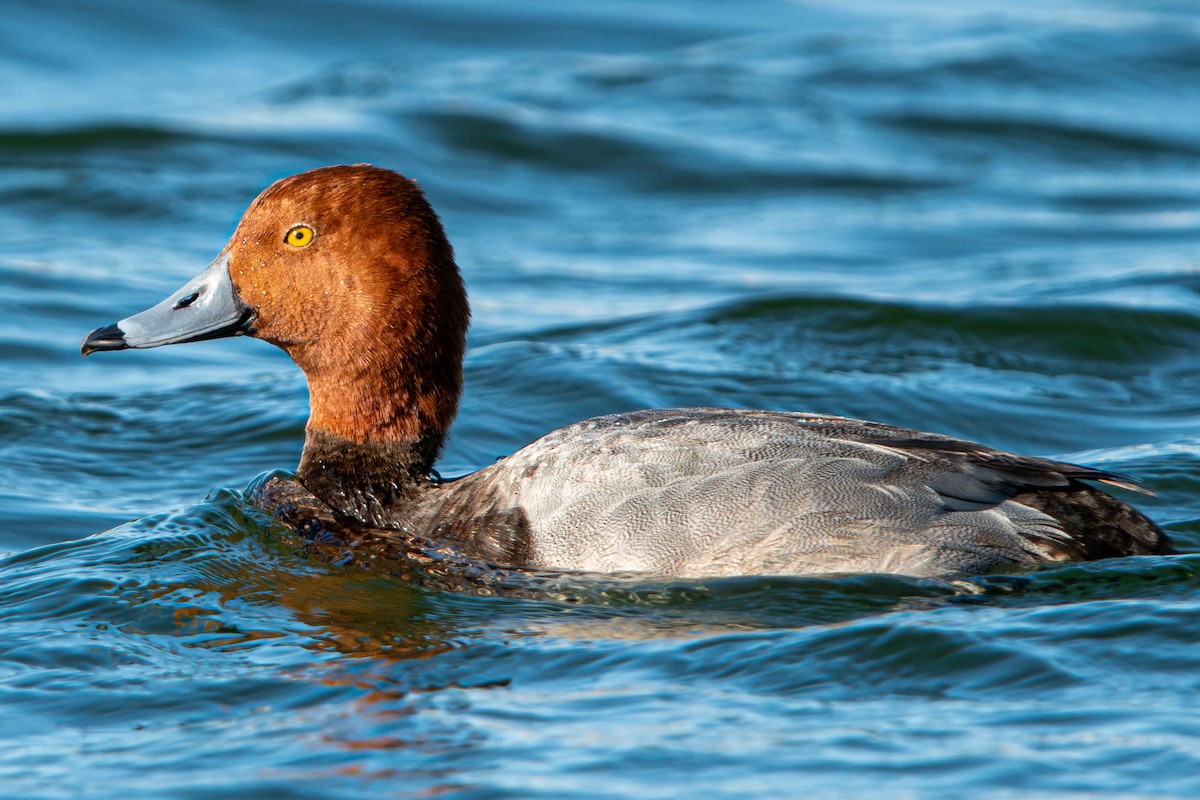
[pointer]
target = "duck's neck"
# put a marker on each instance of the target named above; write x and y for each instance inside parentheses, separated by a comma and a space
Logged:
(381, 408)
(370, 444)
(372, 482)
(378, 418)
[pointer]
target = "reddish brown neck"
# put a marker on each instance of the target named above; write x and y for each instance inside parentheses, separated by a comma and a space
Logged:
(372, 439)
(382, 397)
(388, 406)
(400, 398)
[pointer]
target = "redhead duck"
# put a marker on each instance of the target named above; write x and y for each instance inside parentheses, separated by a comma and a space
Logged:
(348, 270)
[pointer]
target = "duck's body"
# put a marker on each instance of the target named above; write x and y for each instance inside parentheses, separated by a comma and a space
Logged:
(716, 492)
(377, 319)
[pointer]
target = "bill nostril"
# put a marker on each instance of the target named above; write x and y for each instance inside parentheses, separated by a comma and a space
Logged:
(184, 302)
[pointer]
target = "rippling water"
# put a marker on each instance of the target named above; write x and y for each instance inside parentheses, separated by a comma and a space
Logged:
(981, 219)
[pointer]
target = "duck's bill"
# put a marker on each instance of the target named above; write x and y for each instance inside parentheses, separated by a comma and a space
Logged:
(206, 307)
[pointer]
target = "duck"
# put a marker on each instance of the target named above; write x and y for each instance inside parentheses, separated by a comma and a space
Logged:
(349, 271)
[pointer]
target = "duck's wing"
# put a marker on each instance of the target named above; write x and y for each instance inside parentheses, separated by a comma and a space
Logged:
(722, 492)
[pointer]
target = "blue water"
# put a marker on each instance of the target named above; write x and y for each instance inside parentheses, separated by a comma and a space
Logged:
(977, 218)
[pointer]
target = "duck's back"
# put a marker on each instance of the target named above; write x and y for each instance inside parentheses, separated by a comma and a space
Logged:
(705, 492)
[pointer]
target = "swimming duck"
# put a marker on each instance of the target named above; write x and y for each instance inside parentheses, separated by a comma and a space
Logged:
(349, 271)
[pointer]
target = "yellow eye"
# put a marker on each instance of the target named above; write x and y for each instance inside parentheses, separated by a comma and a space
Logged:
(300, 236)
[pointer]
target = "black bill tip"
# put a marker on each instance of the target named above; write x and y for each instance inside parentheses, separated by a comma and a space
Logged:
(108, 338)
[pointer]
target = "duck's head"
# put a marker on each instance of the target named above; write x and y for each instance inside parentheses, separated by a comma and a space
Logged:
(348, 270)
